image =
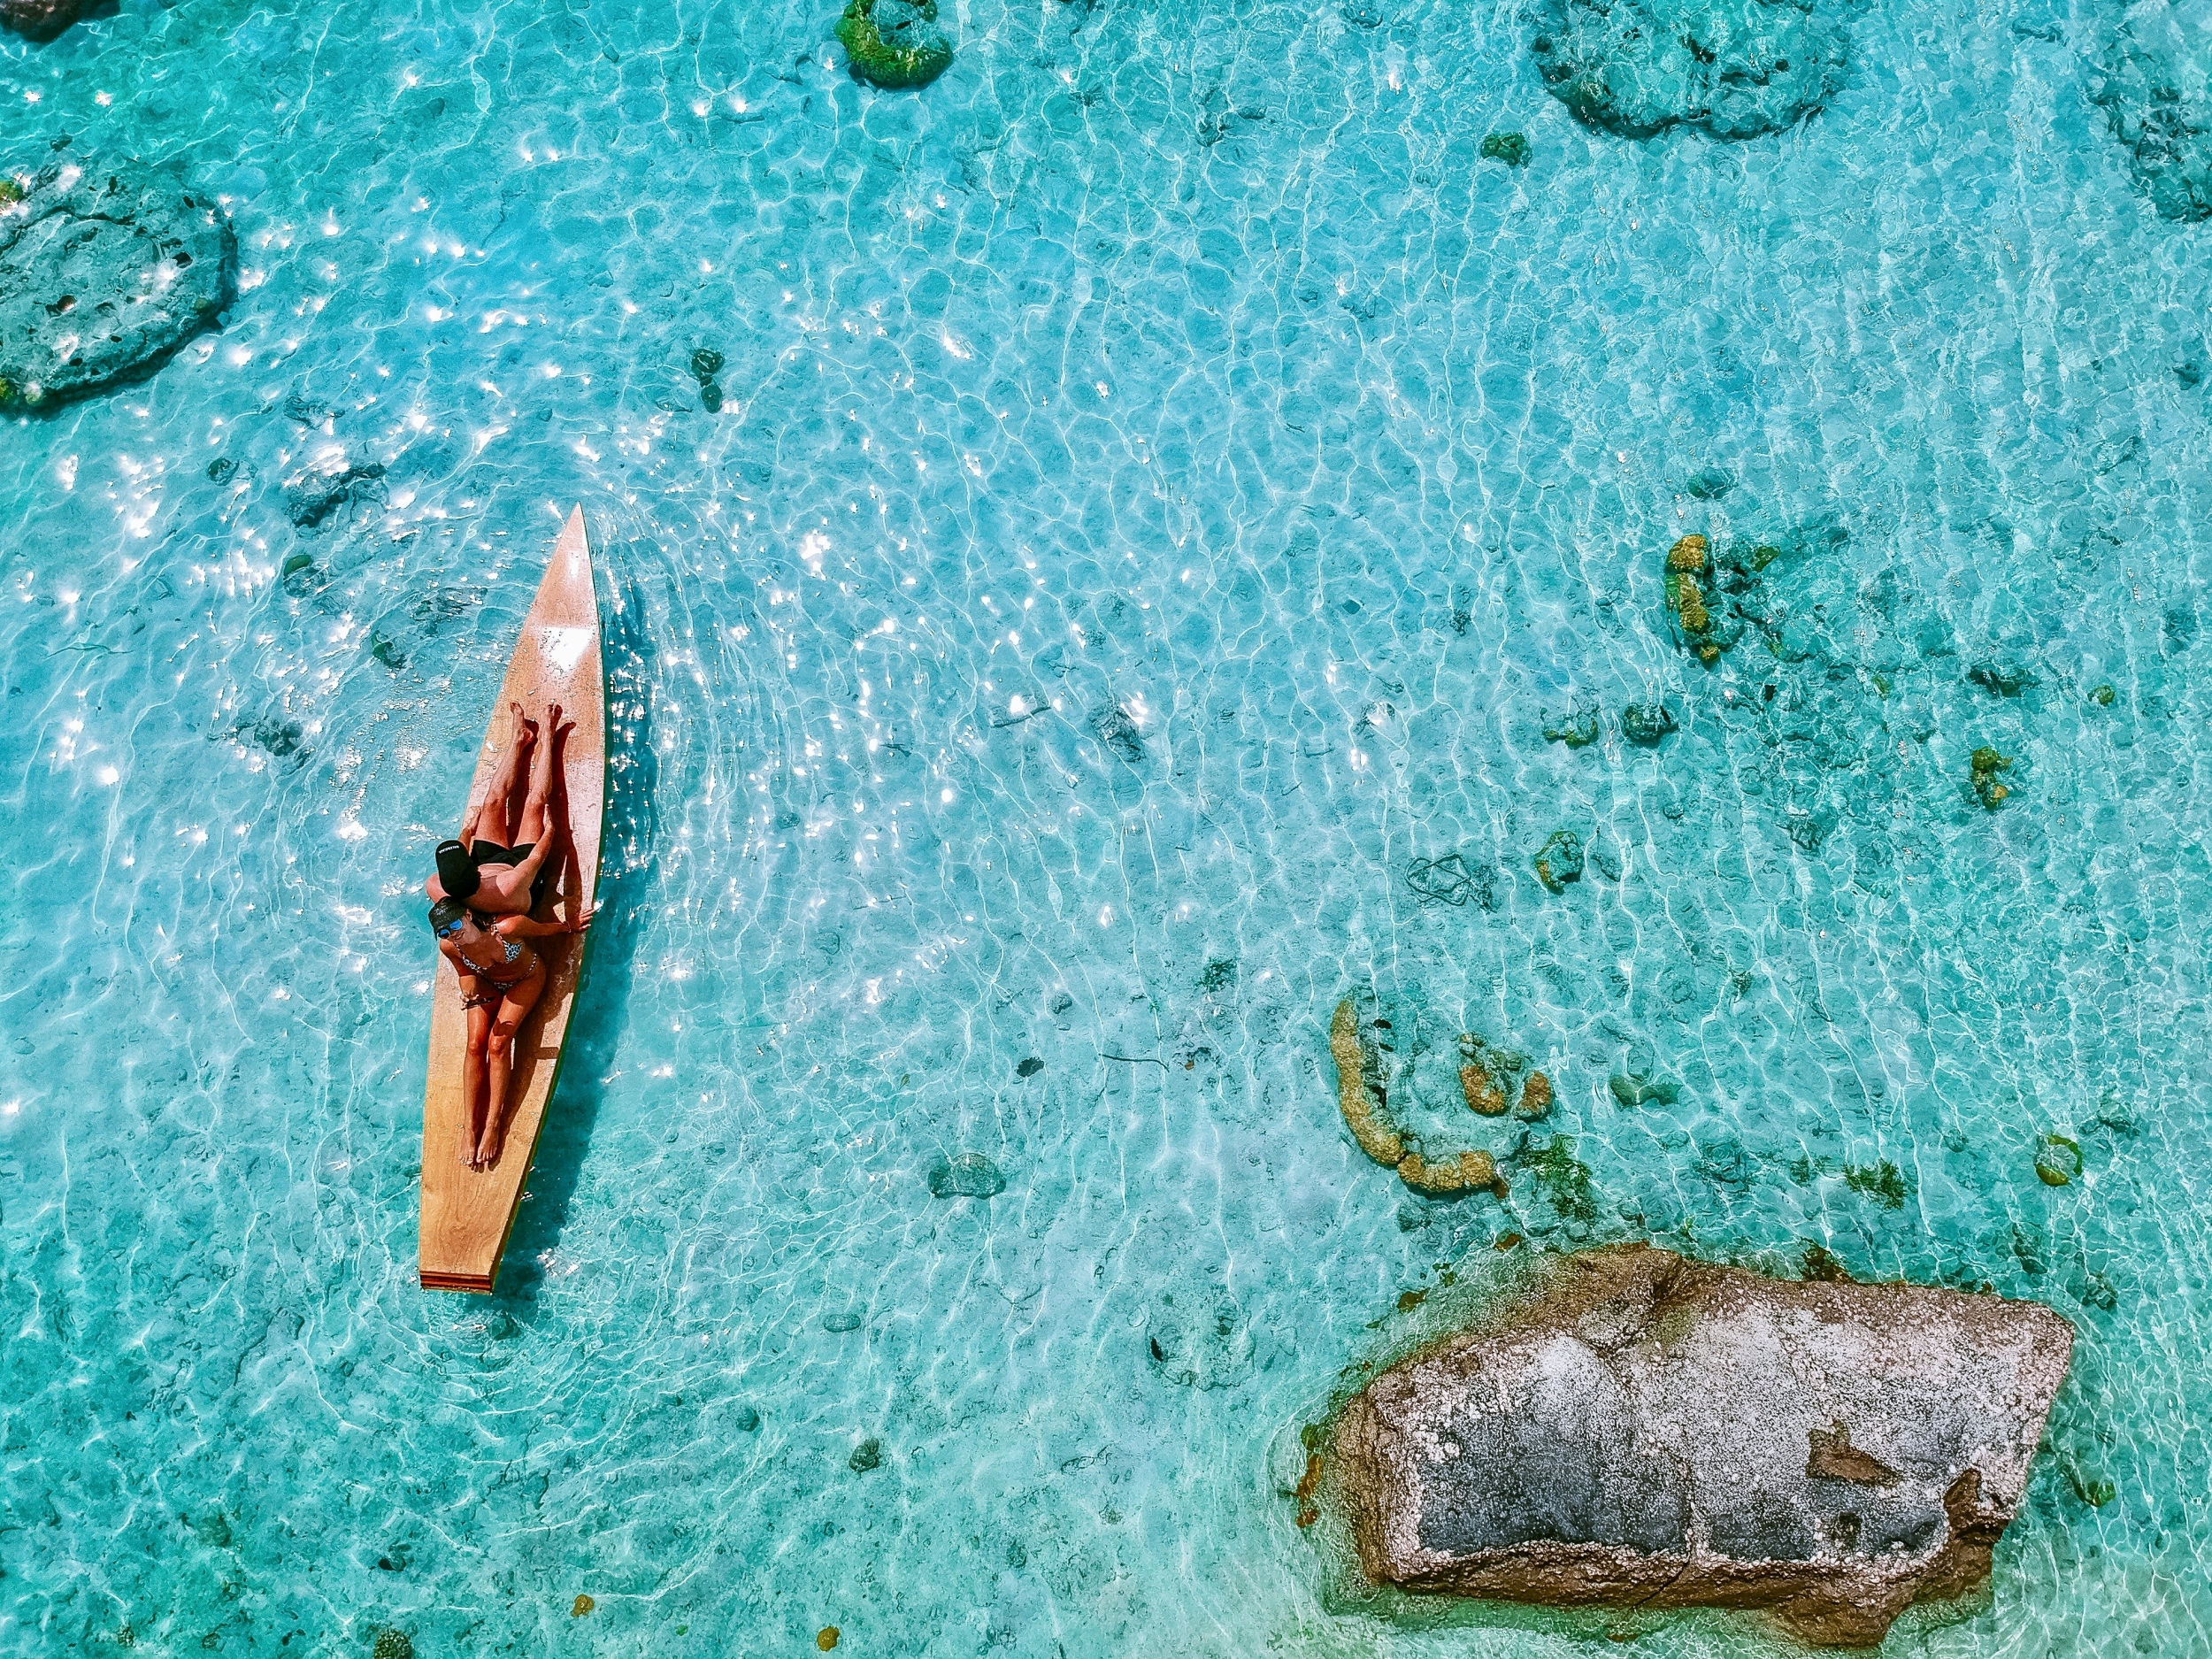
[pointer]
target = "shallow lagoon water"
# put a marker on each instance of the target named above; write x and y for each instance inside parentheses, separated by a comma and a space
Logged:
(1187, 363)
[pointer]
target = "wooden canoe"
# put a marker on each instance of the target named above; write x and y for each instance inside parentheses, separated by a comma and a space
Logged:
(468, 1214)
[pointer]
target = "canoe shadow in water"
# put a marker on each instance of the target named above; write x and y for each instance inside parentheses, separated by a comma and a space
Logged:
(603, 999)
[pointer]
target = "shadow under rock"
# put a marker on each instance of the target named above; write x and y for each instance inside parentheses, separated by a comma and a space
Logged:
(602, 999)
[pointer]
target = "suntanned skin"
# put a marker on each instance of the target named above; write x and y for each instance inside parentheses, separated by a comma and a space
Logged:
(505, 888)
(485, 1080)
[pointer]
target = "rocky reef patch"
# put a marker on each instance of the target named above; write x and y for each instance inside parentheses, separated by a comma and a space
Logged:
(1735, 68)
(106, 269)
(2155, 90)
(1641, 1429)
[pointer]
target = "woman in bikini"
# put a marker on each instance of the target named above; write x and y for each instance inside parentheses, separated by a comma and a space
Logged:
(501, 978)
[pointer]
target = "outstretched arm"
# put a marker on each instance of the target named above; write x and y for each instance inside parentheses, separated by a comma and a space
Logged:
(523, 928)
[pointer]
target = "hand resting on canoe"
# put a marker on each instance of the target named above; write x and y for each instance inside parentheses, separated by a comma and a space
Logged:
(495, 871)
(501, 978)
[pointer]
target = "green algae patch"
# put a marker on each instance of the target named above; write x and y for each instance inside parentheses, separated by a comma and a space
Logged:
(1884, 1183)
(1562, 1179)
(2103, 696)
(894, 44)
(1820, 1265)
(2058, 1161)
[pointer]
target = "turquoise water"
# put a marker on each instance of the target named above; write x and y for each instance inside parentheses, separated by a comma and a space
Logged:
(1182, 363)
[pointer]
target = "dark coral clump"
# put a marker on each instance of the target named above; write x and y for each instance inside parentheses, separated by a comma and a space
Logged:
(1559, 861)
(1578, 730)
(894, 42)
(1984, 766)
(1511, 147)
(1647, 723)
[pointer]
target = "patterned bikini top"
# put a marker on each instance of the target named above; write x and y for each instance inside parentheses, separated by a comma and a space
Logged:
(513, 949)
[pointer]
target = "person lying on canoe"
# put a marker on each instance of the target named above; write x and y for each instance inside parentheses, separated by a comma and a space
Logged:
(501, 978)
(494, 872)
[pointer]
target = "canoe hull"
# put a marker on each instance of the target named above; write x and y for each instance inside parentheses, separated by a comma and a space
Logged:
(468, 1214)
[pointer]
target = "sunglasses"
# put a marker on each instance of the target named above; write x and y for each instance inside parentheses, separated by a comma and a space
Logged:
(452, 927)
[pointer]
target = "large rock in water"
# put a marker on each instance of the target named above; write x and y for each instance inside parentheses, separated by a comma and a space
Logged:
(1735, 67)
(40, 20)
(106, 269)
(1646, 1430)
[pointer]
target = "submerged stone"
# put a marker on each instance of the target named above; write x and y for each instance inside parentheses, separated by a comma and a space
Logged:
(1709, 485)
(40, 19)
(2001, 680)
(1636, 1090)
(1118, 733)
(106, 269)
(971, 1175)
(1644, 1430)
(1511, 147)
(1735, 68)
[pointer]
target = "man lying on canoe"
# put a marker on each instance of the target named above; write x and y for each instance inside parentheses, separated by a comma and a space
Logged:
(486, 871)
(494, 872)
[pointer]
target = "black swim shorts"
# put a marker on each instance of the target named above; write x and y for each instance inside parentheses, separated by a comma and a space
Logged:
(492, 853)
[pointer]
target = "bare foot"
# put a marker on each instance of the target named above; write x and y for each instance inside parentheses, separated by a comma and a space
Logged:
(487, 1154)
(468, 1158)
(526, 728)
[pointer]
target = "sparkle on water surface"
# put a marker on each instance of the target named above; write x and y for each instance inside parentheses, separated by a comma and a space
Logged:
(1164, 486)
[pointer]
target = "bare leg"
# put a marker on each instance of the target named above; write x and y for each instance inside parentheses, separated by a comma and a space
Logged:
(526, 741)
(473, 1079)
(501, 1058)
(497, 810)
(531, 828)
(572, 878)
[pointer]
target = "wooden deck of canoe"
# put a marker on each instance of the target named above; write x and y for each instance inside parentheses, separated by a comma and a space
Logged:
(467, 1213)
